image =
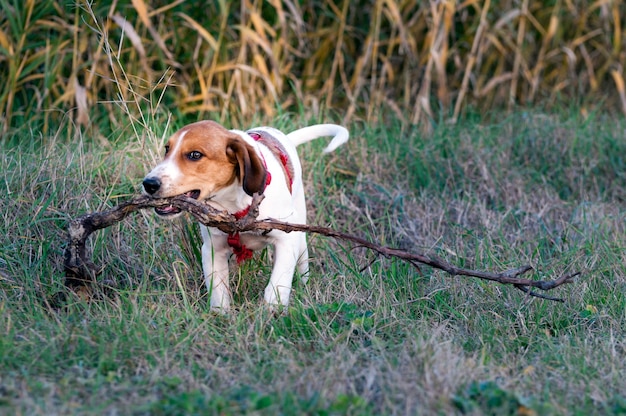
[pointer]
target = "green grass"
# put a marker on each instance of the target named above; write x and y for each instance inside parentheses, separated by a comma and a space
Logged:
(366, 335)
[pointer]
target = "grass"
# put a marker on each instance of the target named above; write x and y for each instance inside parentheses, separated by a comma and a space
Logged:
(366, 335)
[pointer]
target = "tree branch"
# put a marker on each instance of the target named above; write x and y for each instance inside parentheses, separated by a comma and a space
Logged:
(81, 271)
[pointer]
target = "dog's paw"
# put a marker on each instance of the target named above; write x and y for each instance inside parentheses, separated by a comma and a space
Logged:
(274, 310)
(220, 301)
(220, 310)
(277, 296)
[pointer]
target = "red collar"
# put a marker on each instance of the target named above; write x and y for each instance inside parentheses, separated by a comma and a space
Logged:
(278, 150)
(241, 252)
(240, 214)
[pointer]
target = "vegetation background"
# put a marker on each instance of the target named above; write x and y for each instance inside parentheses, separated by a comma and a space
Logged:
(488, 133)
(422, 61)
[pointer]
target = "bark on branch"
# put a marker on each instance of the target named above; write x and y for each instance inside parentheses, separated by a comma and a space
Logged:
(81, 271)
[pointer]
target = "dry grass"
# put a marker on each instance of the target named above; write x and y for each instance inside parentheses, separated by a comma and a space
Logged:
(423, 61)
(363, 336)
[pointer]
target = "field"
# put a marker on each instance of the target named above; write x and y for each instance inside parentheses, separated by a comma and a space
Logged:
(366, 335)
(490, 134)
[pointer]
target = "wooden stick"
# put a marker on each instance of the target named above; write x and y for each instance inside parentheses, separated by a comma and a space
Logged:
(81, 271)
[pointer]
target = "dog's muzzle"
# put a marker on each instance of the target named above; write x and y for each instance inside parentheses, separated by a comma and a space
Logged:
(151, 185)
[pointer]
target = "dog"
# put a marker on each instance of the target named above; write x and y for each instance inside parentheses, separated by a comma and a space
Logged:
(225, 168)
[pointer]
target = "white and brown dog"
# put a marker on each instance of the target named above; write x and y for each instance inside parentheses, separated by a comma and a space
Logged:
(225, 168)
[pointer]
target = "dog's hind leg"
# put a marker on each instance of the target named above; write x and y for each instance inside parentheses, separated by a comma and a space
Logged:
(303, 259)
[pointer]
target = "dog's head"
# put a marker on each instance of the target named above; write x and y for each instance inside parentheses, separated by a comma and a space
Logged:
(200, 160)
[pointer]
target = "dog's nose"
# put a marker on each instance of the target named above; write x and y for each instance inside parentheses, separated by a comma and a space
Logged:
(151, 185)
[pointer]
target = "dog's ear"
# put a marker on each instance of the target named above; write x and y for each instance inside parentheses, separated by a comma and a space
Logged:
(250, 168)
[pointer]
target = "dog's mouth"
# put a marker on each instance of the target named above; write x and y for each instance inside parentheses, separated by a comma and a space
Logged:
(172, 210)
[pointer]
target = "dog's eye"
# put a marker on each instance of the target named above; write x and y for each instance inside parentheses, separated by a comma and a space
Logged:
(195, 155)
(167, 150)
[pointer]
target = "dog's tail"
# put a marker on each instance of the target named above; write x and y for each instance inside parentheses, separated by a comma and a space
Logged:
(307, 134)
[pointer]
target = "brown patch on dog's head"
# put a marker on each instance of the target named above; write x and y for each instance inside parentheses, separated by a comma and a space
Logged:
(203, 158)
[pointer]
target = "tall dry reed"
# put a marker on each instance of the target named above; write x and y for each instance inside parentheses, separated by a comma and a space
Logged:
(422, 60)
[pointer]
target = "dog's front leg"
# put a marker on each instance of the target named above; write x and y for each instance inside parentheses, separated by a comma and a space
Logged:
(215, 254)
(286, 253)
